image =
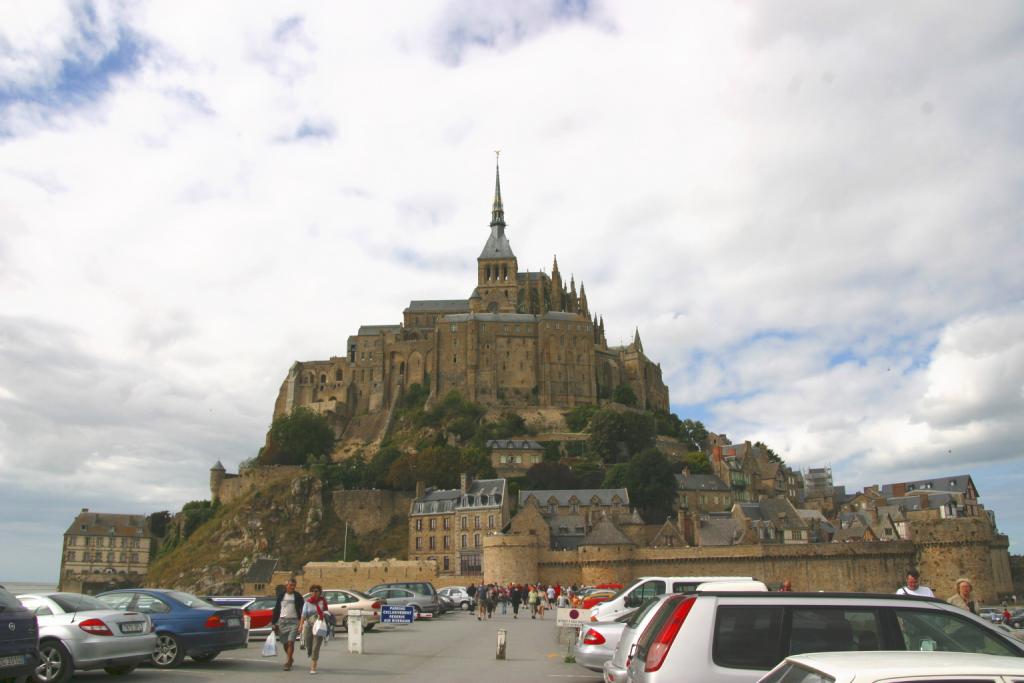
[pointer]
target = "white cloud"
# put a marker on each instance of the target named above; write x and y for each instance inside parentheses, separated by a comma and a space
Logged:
(811, 218)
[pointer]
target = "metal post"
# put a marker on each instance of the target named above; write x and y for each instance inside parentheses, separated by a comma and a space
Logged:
(502, 643)
(344, 555)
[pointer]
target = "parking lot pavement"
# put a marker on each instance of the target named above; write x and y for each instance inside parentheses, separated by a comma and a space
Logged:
(453, 648)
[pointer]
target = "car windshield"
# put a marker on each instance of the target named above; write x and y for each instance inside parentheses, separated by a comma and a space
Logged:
(190, 600)
(76, 602)
(361, 595)
(636, 617)
(8, 601)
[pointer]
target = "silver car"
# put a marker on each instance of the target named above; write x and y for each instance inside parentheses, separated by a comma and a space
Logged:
(615, 668)
(79, 632)
(597, 640)
(459, 596)
(403, 597)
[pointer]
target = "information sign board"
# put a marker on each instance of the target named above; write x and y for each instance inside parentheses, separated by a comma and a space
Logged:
(393, 614)
(572, 616)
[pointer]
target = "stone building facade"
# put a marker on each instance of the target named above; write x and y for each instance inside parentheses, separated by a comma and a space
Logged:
(448, 526)
(521, 337)
(513, 457)
(104, 550)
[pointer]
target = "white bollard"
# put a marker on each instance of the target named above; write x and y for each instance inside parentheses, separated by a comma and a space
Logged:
(355, 631)
(502, 642)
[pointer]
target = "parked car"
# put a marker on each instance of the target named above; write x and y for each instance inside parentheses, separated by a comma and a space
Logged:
(260, 612)
(1016, 619)
(646, 587)
(459, 596)
(615, 668)
(80, 633)
(883, 667)
(228, 600)
(341, 600)
(722, 636)
(445, 602)
(1010, 632)
(19, 638)
(421, 587)
(596, 642)
(184, 624)
(402, 597)
(595, 598)
(994, 614)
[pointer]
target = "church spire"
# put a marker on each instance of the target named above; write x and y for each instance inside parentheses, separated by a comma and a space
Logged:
(636, 341)
(497, 211)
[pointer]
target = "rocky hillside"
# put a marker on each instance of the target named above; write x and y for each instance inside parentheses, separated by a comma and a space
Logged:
(291, 520)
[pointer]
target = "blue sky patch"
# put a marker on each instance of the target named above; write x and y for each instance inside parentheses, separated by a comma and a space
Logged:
(81, 79)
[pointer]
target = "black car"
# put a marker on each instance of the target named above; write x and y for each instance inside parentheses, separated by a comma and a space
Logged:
(1016, 619)
(19, 639)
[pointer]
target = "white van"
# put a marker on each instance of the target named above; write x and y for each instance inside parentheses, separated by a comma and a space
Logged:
(646, 587)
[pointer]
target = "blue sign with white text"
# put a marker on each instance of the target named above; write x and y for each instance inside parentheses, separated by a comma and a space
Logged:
(393, 614)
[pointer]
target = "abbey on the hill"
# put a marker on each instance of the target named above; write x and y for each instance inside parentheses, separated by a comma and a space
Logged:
(521, 338)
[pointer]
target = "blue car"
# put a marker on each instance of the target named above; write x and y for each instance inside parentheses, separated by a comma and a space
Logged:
(19, 639)
(185, 625)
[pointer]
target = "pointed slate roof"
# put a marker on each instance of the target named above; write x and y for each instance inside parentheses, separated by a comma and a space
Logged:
(605, 532)
(497, 245)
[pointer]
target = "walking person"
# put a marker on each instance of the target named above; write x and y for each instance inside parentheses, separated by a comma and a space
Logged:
(314, 614)
(515, 596)
(542, 601)
(492, 599)
(914, 587)
(962, 598)
(285, 620)
(533, 600)
(481, 602)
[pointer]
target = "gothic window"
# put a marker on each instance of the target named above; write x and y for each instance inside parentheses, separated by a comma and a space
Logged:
(455, 360)
(488, 273)
(323, 378)
(339, 376)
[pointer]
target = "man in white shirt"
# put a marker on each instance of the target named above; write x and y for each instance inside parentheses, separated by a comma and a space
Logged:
(285, 619)
(914, 586)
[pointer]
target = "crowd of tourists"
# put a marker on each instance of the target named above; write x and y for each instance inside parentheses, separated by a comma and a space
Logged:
(533, 598)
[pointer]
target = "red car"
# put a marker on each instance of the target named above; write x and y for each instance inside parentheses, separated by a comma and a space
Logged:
(260, 612)
(597, 597)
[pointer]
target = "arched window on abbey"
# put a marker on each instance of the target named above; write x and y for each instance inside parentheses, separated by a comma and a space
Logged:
(339, 375)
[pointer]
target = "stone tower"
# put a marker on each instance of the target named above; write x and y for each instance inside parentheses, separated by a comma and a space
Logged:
(497, 287)
(217, 474)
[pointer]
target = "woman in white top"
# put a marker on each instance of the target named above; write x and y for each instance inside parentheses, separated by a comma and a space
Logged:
(314, 610)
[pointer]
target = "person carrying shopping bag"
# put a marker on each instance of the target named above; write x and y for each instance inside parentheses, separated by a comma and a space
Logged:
(314, 624)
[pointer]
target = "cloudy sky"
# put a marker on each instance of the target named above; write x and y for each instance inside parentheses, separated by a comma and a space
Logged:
(812, 211)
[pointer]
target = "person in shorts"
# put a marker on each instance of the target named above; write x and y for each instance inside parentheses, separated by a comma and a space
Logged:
(313, 610)
(285, 620)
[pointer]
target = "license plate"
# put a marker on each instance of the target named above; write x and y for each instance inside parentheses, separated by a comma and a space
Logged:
(13, 660)
(234, 621)
(133, 627)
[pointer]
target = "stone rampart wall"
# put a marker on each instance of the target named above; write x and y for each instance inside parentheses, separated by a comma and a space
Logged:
(233, 488)
(370, 511)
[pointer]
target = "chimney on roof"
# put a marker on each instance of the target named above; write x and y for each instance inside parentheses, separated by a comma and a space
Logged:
(464, 481)
(716, 454)
(420, 489)
(923, 497)
(85, 509)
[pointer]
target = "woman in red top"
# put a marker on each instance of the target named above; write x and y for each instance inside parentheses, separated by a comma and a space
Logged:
(314, 610)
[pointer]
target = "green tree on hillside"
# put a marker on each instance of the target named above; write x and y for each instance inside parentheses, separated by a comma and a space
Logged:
(578, 418)
(549, 476)
(772, 455)
(693, 433)
(614, 436)
(615, 477)
(650, 480)
(625, 395)
(697, 463)
(293, 438)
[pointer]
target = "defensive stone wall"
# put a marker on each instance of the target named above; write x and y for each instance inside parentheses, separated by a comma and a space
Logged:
(232, 488)
(370, 511)
(965, 547)
(366, 575)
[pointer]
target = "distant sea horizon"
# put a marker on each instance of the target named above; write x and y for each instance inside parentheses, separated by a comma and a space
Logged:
(18, 587)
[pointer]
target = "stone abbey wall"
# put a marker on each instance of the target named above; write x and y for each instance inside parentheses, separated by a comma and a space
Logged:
(366, 575)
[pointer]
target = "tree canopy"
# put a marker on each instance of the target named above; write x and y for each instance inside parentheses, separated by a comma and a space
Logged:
(650, 480)
(549, 476)
(615, 436)
(625, 395)
(293, 438)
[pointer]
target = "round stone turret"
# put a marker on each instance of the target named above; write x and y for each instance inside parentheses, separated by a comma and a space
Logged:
(217, 474)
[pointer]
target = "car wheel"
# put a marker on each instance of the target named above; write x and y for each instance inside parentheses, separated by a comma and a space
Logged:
(55, 664)
(120, 670)
(369, 627)
(415, 611)
(208, 657)
(464, 605)
(168, 653)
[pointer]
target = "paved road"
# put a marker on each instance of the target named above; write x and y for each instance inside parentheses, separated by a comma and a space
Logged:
(453, 648)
